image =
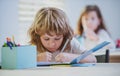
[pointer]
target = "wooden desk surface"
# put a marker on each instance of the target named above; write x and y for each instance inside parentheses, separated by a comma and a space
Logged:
(100, 69)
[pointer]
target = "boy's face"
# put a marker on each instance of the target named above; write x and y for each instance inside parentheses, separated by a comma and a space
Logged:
(92, 20)
(51, 42)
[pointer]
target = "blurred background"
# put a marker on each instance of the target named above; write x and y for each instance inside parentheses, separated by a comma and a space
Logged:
(17, 15)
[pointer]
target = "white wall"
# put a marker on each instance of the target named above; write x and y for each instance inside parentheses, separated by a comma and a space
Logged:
(109, 8)
(8, 20)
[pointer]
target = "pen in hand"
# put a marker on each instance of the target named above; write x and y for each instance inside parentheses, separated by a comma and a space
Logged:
(65, 45)
(13, 41)
(58, 57)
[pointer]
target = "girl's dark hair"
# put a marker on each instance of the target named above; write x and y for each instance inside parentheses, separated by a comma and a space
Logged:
(88, 9)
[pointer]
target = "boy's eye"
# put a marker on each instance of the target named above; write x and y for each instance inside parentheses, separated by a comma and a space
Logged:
(57, 38)
(46, 39)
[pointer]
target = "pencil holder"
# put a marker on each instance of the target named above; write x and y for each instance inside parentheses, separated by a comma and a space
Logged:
(19, 57)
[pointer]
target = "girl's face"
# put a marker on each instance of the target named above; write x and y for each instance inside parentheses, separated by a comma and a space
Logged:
(91, 20)
(51, 42)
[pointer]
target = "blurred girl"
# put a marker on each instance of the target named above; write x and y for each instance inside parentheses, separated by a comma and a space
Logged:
(91, 28)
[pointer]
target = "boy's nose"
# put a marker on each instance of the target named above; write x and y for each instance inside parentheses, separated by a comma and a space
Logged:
(52, 44)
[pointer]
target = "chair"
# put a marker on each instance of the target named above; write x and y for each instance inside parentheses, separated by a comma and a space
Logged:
(103, 58)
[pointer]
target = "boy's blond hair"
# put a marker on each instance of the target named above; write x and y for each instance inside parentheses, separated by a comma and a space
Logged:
(49, 20)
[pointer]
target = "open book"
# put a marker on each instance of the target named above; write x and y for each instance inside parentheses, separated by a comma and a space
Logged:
(76, 60)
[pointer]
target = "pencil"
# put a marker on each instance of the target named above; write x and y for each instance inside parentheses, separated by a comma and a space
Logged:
(65, 45)
(13, 41)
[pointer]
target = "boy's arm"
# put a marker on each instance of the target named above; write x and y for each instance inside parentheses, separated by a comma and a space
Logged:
(68, 57)
(89, 59)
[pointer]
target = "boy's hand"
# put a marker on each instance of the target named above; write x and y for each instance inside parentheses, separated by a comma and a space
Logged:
(65, 57)
(45, 57)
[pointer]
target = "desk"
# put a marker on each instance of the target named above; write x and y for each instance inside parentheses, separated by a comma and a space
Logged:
(100, 69)
(114, 55)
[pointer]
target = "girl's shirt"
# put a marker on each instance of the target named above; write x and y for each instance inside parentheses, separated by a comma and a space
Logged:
(102, 35)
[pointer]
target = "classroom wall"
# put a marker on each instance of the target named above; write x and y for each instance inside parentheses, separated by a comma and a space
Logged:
(8, 20)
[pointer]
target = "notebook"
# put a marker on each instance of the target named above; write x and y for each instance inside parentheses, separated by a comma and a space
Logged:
(76, 60)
